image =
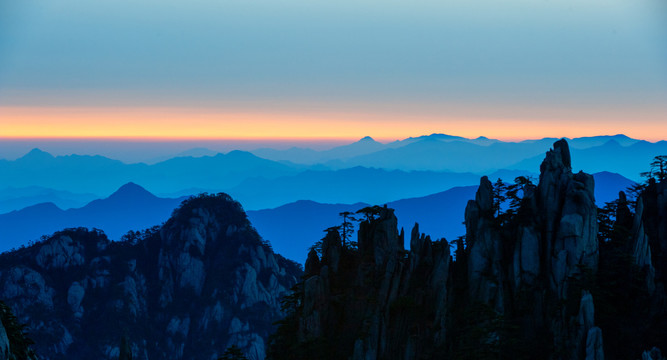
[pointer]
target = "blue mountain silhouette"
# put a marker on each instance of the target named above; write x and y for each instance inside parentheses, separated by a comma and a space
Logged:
(131, 207)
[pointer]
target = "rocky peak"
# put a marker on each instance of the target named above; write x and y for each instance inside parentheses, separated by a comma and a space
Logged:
(379, 239)
(557, 158)
(484, 252)
(484, 195)
(331, 249)
(568, 217)
(189, 289)
(313, 264)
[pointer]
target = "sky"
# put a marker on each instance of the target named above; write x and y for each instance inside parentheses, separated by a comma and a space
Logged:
(332, 70)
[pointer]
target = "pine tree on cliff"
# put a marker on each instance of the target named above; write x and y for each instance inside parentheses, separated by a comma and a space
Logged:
(658, 168)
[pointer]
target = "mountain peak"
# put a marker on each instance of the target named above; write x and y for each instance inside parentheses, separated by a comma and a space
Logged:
(241, 154)
(367, 139)
(130, 190)
(443, 136)
(37, 154)
(220, 208)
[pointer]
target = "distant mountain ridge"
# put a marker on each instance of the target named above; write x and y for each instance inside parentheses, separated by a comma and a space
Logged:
(100, 175)
(370, 171)
(290, 227)
(15, 198)
(342, 156)
(131, 207)
(461, 156)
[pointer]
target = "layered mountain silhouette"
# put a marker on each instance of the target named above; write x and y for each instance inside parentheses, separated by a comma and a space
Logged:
(441, 152)
(100, 175)
(290, 228)
(131, 207)
(449, 160)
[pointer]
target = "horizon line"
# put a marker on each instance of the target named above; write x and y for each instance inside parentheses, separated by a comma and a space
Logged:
(384, 140)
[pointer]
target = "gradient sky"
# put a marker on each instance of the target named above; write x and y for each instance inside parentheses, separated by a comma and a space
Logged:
(332, 69)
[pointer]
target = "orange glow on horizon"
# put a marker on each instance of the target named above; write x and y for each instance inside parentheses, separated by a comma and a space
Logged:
(174, 124)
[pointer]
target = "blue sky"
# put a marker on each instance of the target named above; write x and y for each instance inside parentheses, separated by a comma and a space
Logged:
(514, 58)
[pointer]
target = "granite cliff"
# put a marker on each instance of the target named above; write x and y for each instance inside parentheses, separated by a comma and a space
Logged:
(200, 283)
(541, 279)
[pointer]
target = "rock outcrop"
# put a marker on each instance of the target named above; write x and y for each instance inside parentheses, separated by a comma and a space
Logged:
(517, 287)
(189, 289)
(375, 295)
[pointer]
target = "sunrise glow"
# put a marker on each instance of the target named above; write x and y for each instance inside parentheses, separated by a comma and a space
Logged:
(179, 123)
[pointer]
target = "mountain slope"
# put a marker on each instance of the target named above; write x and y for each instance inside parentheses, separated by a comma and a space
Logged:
(203, 282)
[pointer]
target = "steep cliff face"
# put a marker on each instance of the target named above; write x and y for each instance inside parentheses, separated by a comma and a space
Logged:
(354, 303)
(519, 286)
(188, 290)
(649, 236)
(648, 246)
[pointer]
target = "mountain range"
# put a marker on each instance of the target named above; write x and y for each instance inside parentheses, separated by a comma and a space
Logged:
(100, 175)
(441, 152)
(368, 145)
(290, 228)
(363, 171)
